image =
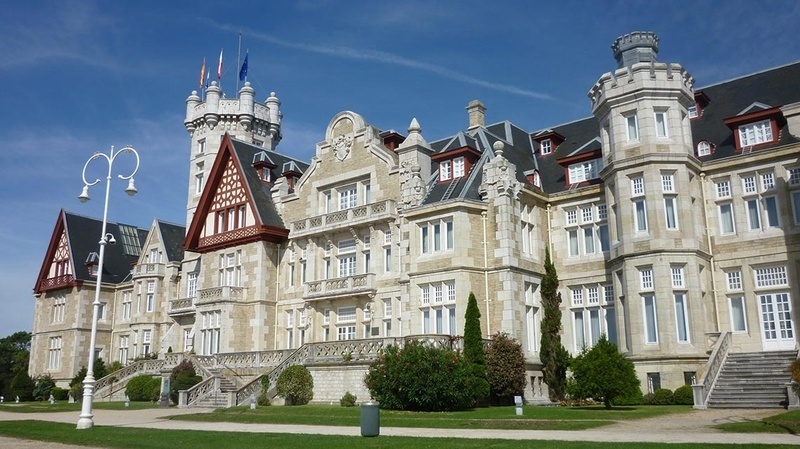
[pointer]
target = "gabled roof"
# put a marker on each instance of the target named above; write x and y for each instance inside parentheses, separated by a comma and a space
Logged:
(269, 223)
(172, 236)
(580, 137)
(748, 94)
(83, 234)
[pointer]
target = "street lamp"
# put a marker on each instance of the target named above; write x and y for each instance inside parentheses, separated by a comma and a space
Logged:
(85, 421)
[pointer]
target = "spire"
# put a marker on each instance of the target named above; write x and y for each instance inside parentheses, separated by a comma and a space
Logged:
(414, 136)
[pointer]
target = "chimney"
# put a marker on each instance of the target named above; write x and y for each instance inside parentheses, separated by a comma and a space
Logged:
(477, 114)
(632, 48)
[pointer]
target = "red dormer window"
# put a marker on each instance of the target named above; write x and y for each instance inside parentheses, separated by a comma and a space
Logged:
(583, 168)
(701, 100)
(546, 146)
(755, 129)
(455, 164)
(548, 141)
(534, 178)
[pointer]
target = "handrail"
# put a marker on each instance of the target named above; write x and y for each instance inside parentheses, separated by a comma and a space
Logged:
(702, 389)
(148, 366)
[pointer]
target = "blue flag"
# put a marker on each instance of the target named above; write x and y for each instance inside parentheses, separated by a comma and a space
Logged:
(243, 71)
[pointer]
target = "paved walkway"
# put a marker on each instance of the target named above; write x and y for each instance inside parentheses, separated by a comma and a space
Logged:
(689, 427)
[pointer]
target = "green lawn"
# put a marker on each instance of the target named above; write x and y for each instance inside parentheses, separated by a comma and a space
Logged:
(64, 406)
(788, 422)
(533, 418)
(132, 438)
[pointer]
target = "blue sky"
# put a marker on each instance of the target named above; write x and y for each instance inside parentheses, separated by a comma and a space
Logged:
(80, 76)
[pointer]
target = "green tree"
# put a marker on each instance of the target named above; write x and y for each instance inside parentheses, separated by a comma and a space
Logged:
(505, 368)
(296, 385)
(473, 348)
(555, 359)
(603, 373)
(14, 355)
(22, 385)
(183, 377)
(421, 377)
(44, 385)
(76, 384)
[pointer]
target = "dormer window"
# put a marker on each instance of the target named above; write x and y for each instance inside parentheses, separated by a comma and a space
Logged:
(264, 175)
(755, 133)
(537, 179)
(546, 146)
(703, 148)
(444, 170)
(585, 171)
(693, 111)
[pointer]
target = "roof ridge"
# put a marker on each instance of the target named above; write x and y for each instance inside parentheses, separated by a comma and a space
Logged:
(267, 150)
(748, 75)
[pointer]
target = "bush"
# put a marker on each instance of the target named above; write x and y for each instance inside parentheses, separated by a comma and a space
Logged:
(794, 368)
(602, 373)
(22, 385)
(143, 388)
(348, 400)
(662, 396)
(631, 398)
(263, 398)
(60, 394)
(647, 399)
(114, 367)
(421, 377)
(44, 385)
(683, 395)
(505, 369)
(183, 377)
(296, 385)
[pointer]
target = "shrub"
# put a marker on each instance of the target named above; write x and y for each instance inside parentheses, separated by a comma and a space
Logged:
(794, 368)
(22, 385)
(183, 377)
(421, 377)
(114, 367)
(505, 369)
(348, 400)
(44, 385)
(683, 395)
(662, 396)
(631, 398)
(143, 388)
(263, 398)
(60, 394)
(603, 373)
(647, 399)
(296, 385)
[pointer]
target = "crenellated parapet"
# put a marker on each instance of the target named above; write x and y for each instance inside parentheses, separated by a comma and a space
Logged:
(655, 77)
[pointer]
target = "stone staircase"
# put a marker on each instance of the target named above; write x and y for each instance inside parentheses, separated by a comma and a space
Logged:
(753, 380)
(218, 399)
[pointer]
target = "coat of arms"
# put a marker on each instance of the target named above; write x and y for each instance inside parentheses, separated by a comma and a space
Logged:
(341, 146)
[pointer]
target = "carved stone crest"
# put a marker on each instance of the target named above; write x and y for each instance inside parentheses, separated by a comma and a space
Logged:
(341, 145)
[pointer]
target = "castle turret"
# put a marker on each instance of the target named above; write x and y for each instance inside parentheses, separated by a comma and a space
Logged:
(635, 47)
(208, 121)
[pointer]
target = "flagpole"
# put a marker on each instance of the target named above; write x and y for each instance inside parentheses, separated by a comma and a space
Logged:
(238, 61)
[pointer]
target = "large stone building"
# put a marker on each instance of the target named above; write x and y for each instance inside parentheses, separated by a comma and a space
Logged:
(672, 215)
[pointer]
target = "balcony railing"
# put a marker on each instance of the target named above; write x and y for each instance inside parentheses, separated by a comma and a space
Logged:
(225, 293)
(149, 269)
(360, 215)
(350, 285)
(181, 306)
(56, 282)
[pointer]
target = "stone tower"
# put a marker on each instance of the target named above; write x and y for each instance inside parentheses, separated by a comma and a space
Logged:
(659, 256)
(208, 121)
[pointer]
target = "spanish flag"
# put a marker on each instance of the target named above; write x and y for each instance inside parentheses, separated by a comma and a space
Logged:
(202, 73)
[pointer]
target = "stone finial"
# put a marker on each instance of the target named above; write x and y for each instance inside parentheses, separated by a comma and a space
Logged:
(414, 136)
(414, 126)
(477, 114)
(632, 48)
(498, 147)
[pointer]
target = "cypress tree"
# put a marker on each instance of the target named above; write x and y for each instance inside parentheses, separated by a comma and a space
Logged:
(473, 349)
(555, 359)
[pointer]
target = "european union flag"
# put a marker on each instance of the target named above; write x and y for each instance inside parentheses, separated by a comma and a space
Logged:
(243, 71)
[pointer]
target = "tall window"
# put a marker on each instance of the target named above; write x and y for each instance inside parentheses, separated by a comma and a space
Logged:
(387, 251)
(632, 127)
(54, 354)
(588, 236)
(346, 252)
(650, 319)
(230, 271)
(531, 318)
(191, 285)
(661, 124)
(198, 178)
(761, 203)
(592, 315)
(127, 301)
(147, 336)
(348, 197)
(444, 170)
(124, 341)
(527, 230)
(458, 167)
(151, 292)
(59, 308)
(346, 323)
(210, 332)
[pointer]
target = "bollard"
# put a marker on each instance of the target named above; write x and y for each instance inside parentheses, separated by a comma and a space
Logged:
(370, 419)
(252, 402)
(518, 405)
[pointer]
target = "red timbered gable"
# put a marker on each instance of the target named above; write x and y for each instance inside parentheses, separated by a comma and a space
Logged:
(226, 214)
(56, 271)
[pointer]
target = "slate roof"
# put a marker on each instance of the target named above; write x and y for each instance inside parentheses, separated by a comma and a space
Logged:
(579, 137)
(260, 191)
(83, 233)
(172, 236)
(518, 150)
(774, 87)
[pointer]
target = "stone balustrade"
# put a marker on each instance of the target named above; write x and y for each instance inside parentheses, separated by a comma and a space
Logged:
(356, 216)
(149, 269)
(218, 294)
(325, 288)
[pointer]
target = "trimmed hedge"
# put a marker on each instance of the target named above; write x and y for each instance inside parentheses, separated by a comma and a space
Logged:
(663, 396)
(683, 395)
(296, 385)
(143, 388)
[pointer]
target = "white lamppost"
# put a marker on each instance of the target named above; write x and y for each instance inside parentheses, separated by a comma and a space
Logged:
(85, 421)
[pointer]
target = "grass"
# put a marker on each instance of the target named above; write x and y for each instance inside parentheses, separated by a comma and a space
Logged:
(533, 418)
(64, 406)
(788, 422)
(133, 438)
